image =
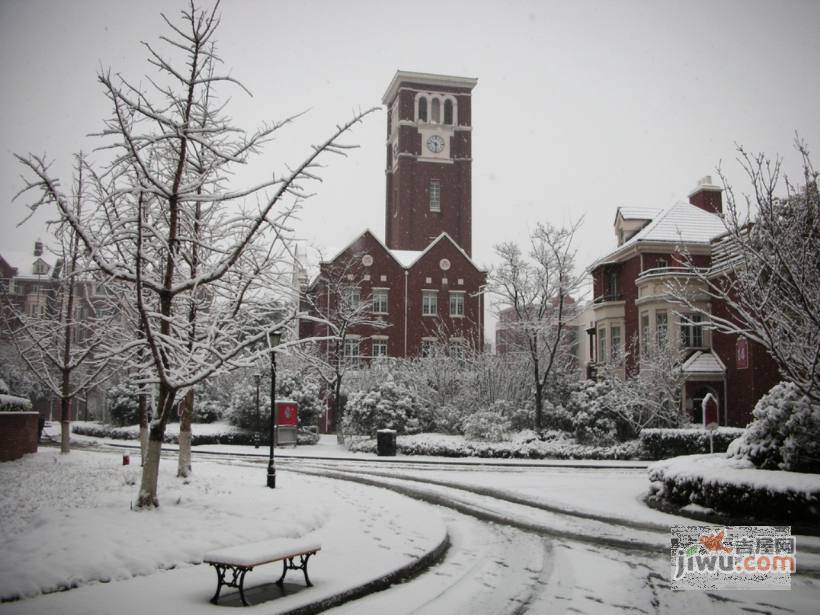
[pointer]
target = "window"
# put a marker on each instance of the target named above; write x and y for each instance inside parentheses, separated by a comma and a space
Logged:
(661, 328)
(36, 304)
(380, 301)
(351, 351)
(422, 109)
(394, 118)
(448, 111)
(662, 263)
(435, 195)
(351, 297)
(429, 303)
(457, 304)
(379, 347)
(615, 342)
(601, 345)
(612, 283)
(40, 267)
(435, 111)
(457, 350)
(428, 348)
(691, 331)
(645, 332)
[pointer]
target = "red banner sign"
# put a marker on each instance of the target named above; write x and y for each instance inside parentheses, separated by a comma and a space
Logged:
(286, 413)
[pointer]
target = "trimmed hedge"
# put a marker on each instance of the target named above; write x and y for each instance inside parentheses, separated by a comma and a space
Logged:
(12, 403)
(736, 488)
(245, 438)
(438, 445)
(666, 443)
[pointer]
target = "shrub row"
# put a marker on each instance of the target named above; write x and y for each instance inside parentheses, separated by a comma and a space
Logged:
(559, 448)
(665, 443)
(730, 487)
(244, 438)
(11, 403)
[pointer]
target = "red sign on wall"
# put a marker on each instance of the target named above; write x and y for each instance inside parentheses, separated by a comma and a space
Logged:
(286, 414)
(742, 353)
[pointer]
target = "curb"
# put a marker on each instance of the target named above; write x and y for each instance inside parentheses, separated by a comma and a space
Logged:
(403, 574)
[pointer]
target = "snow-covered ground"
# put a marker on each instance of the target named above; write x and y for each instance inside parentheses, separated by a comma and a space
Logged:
(66, 521)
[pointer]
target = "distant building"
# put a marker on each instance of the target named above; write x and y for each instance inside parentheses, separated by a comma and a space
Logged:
(632, 302)
(421, 280)
(30, 284)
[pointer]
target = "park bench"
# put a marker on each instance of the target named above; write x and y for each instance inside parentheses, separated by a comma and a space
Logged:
(232, 563)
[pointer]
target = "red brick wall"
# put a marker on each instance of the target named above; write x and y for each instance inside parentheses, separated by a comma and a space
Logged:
(18, 434)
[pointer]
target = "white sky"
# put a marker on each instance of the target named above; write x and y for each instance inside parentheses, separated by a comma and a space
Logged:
(580, 106)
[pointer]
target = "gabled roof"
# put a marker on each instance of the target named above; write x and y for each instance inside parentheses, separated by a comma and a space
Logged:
(683, 223)
(637, 213)
(704, 363)
(24, 262)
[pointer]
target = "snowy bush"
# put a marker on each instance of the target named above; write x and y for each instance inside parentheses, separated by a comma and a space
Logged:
(736, 487)
(592, 420)
(488, 426)
(557, 417)
(785, 432)
(11, 403)
(387, 406)
(665, 443)
(124, 404)
(207, 410)
(242, 411)
(527, 445)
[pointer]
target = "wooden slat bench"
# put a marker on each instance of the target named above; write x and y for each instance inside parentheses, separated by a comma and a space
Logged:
(241, 559)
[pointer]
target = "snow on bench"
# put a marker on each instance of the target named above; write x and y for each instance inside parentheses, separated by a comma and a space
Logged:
(241, 559)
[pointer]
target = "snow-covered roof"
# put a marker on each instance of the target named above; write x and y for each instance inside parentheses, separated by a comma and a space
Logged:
(704, 363)
(637, 213)
(682, 223)
(24, 262)
(406, 257)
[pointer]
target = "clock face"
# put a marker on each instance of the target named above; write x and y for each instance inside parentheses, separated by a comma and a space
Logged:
(435, 144)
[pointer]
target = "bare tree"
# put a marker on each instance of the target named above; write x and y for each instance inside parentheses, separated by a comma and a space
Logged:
(652, 396)
(345, 319)
(156, 199)
(62, 340)
(766, 268)
(541, 291)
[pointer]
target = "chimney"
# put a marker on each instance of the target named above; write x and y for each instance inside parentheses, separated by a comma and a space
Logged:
(38, 248)
(707, 196)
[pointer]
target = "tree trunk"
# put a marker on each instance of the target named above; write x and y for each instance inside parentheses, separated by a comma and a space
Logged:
(539, 405)
(150, 470)
(337, 411)
(143, 411)
(184, 460)
(65, 425)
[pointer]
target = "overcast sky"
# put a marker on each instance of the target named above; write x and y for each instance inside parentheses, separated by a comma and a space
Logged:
(580, 106)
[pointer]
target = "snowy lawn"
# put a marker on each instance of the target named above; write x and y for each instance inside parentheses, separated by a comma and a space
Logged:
(65, 521)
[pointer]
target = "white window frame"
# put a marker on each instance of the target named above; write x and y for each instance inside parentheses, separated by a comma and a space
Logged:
(427, 346)
(351, 297)
(689, 331)
(352, 350)
(644, 323)
(434, 190)
(661, 327)
(379, 306)
(380, 342)
(602, 345)
(429, 303)
(615, 349)
(459, 297)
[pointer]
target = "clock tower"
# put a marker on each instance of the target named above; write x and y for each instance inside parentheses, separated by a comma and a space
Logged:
(429, 160)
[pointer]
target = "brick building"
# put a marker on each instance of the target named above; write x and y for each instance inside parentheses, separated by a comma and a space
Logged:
(632, 303)
(421, 281)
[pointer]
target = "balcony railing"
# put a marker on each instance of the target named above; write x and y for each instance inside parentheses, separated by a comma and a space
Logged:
(667, 271)
(607, 298)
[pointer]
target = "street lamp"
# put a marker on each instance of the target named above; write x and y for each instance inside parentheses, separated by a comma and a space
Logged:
(274, 338)
(257, 377)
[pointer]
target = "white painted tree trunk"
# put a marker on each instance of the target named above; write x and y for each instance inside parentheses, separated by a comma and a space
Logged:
(184, 466)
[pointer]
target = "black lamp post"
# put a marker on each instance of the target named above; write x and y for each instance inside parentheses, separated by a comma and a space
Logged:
(275, 337)
(257, 377)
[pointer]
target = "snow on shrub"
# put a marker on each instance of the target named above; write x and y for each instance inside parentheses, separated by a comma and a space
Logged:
(213, 433)
(12, 403)
(591, 419)
(527, 445)
(488, 426)
(387, 406)
(785, 432)
(665, 443)
(736, 487)
(124, 404)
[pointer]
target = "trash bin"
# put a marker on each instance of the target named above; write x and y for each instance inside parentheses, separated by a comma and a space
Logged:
(386, 442)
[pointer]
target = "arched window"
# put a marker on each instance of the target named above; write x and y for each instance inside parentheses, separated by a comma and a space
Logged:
(423, 109)
(448, 111)
(436, 111)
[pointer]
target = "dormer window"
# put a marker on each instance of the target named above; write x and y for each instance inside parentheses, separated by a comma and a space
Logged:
(435, 115)
(448, 112)
(422, 109)
(40, 267)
